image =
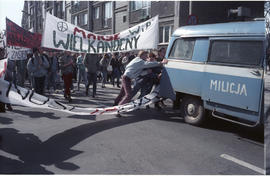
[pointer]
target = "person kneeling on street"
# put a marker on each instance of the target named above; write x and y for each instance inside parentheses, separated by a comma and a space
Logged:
(133, 70)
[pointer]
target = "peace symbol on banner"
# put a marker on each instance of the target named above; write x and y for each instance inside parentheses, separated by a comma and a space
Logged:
(62, 26)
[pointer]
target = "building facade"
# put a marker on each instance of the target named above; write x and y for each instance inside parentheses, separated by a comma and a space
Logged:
(108, 17)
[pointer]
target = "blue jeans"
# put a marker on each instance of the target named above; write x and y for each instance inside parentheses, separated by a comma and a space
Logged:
(92, 79)
(81, 75)
(144, 84)
(104, 77)
(116, 74)
(51, 78)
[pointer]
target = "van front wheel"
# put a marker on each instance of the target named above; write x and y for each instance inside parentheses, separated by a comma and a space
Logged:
(193, 110)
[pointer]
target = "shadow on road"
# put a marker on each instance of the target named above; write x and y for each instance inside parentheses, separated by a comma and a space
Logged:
(37, 114)
(5, 121)
(255, 134)
(54, 151)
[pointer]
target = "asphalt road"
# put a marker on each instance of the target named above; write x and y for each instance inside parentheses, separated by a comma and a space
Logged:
(147, 141)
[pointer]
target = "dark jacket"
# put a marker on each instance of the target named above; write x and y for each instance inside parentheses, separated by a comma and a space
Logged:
(91, 63)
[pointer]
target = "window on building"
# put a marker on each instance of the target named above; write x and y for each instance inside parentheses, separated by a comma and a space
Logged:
(236, 52)
(40, 23)
(48, 4)
(31, 11)
(107, 12)
(76, 2)
(136, 5)
(63, 9)
(67, 2)
(56, 10)
(96, 13)
(32, 25)
(124, 19)
(182, 49)
(37, 22)
(84, 19)
(165, 33)
(75, 20)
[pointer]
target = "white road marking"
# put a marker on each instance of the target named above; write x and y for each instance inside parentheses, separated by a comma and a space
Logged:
(9, 155)
(243, 163)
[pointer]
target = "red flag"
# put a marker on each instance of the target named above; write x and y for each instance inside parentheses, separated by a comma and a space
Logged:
(17, 36)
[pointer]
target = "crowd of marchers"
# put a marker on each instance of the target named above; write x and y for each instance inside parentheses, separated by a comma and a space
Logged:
(63, 72)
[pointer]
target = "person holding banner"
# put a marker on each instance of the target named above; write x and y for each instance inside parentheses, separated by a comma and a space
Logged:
(66, 67)
(81, 75)
(133, 70)
(116, 67)
(52, 72)
(10, 74)
(38, 67)
(91, 62)
(104, 62)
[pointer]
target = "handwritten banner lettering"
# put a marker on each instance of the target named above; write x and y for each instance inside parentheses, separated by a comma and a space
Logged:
(17, 53)
(21, 96)
(59, 34)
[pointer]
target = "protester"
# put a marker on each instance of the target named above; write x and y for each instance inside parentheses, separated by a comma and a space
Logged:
(21, 70)
(110, 72)
(10, 73)
(75, 70)
(161, 55)
(116, 69)
(125, 60)
(104, 62)
(45, 56)
(133, 70)
(91, 62)
(30, 74)
(145, 82)
(99, 72)
(66, 66)
(38, 66)
(53, 69)
(81, 75)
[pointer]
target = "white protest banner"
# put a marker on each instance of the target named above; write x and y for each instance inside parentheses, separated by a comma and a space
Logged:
(59, 34)
(14, 52)
(21, 96)
(17, 53)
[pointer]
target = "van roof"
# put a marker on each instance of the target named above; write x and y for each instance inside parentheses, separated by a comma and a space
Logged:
(250, 28)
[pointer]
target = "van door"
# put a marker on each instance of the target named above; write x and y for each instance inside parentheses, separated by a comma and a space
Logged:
(234, 73)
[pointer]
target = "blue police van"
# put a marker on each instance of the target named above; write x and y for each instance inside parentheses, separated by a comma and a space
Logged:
(219, 68)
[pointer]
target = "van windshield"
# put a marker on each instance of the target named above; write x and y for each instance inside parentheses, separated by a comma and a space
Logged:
(247, 53)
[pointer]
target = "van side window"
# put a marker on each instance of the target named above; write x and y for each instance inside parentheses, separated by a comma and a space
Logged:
(182, 49)
(247, 53)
